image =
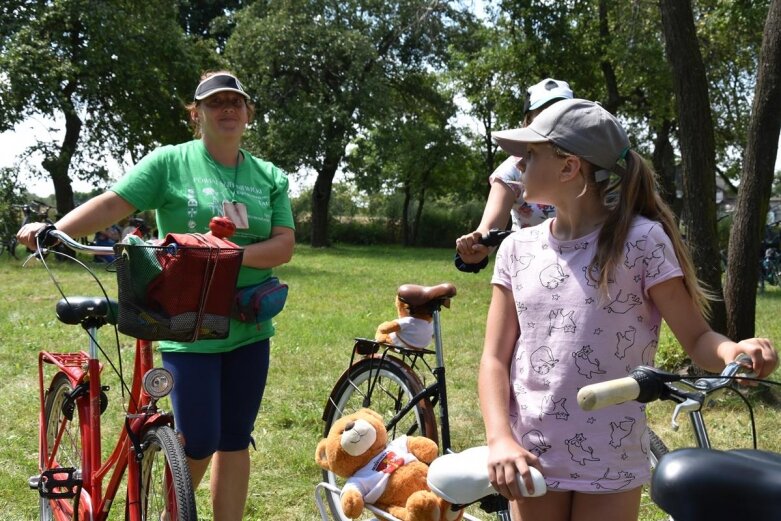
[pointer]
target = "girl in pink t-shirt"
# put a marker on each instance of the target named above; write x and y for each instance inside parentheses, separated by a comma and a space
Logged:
(579, 299)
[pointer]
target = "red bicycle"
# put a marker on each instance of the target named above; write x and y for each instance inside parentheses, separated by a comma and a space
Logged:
(72, 471)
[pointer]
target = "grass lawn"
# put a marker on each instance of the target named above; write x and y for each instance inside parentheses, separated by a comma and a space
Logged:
(336, 294)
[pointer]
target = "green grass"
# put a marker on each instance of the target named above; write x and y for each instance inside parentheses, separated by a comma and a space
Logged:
(335, 295)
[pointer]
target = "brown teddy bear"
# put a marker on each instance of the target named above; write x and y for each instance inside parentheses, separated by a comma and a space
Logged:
(390, 476)
(413, 328)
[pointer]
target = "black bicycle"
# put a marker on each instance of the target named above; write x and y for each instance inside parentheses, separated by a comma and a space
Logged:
(700, 482)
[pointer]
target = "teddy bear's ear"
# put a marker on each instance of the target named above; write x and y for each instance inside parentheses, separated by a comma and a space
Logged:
(321, 458)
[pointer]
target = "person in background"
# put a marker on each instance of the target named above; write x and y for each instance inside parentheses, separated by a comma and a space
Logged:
(579, 299)
(505, 199)
(219, 383)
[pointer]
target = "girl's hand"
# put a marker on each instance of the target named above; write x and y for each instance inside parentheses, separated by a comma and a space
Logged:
(470, 249)
(764, 358)
(508, 462)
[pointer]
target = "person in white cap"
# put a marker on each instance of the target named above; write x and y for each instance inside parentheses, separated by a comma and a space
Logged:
(219, 383)
(505, 198)
(579, 299)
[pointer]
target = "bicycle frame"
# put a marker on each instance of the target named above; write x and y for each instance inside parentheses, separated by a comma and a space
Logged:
(83, 368)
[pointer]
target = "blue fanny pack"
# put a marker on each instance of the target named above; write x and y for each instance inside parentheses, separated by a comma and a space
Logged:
(261, 302)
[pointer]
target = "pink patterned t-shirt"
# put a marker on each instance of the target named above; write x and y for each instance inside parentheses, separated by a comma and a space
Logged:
(569, 338)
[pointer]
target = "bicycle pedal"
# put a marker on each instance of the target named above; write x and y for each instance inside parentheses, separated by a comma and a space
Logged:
(59, 483)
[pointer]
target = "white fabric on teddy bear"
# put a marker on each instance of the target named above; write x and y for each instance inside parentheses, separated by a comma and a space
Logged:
(372, 478)
(415, 332)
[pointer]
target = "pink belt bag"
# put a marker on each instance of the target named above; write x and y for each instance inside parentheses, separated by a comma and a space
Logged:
(260, 302)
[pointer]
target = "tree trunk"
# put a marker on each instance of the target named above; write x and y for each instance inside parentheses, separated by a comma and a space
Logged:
(58, 166)
(405, 226)
(418, 215)
(697, 146)
(321, 192)
(756, 180)
(321, 198)
(663, 159)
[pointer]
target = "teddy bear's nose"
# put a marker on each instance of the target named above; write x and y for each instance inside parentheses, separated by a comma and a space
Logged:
(349, 426)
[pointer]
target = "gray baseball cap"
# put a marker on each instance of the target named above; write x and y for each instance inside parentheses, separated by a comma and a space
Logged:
(578, 126)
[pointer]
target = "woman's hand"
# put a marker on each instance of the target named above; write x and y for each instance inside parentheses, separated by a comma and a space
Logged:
(26, 234)
(507, 463)
(469, 248)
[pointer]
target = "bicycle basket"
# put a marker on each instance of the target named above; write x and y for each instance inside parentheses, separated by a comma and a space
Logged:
(174, 291)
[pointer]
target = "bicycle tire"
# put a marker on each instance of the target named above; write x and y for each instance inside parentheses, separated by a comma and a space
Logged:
(166, 485)
(69, 450)
(396, 383)
(657, 448)
(12, 244)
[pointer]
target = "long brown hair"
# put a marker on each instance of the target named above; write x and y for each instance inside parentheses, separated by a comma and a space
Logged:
(192, 107)
(636, 193)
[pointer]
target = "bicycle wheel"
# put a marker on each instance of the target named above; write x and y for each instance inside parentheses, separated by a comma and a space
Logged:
(166, 485)
(60, 414)
(658, 448)
(385, 386)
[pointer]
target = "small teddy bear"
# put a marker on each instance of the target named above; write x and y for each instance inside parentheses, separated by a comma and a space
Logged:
(390, 476)
(413, 328)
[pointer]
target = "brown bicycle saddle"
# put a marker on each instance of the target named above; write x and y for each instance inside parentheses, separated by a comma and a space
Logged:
(417, 296)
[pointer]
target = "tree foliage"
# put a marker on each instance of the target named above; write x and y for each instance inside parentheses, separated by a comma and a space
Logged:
(117, 71)
(324, 70)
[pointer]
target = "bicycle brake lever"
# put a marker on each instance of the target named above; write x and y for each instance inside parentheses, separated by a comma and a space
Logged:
(689, 405)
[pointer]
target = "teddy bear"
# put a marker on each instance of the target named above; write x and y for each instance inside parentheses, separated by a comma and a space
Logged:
(413, 328)
(390, 476)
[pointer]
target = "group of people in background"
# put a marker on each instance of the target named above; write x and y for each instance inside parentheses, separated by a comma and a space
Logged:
(578, 295)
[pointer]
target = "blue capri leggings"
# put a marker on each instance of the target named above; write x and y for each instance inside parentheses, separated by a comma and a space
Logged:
(216, 397)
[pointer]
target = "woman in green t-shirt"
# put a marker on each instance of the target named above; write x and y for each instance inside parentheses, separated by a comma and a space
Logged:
(219, 383)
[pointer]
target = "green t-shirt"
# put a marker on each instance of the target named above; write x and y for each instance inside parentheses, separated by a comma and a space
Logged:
(187, 188)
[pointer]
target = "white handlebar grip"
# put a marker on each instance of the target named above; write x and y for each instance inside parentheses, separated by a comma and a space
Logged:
(612, 392)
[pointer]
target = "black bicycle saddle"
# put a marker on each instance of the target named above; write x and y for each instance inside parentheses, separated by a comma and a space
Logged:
(700, 484)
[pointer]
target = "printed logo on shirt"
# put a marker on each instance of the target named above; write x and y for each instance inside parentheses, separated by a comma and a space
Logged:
(389, 464)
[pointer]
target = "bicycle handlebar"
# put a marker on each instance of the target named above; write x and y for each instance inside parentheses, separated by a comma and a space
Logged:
(43, 241)
(494, 237)
(646, 384)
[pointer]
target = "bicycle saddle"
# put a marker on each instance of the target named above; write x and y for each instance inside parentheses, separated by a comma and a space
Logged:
(417, 296)
(717, 485)
(75, 310)
(461, 478)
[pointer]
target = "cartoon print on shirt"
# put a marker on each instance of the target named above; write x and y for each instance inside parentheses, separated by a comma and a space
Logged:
(521, 262)
(528, 236)
(552, 276)
(562, 321)
(645, 441)
(635, 251)
(578, 452)
(574, 247)
(534, 442)
(542, 360)
(626, 339)
(520, 307)
(648, 353)
(551, 407)
(621, 306)
(620, 430)
(591, 273)
(654, 261)
(622, 480)
(586, 366)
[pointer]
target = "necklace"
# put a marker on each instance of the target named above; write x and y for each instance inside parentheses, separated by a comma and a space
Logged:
(235, 174)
